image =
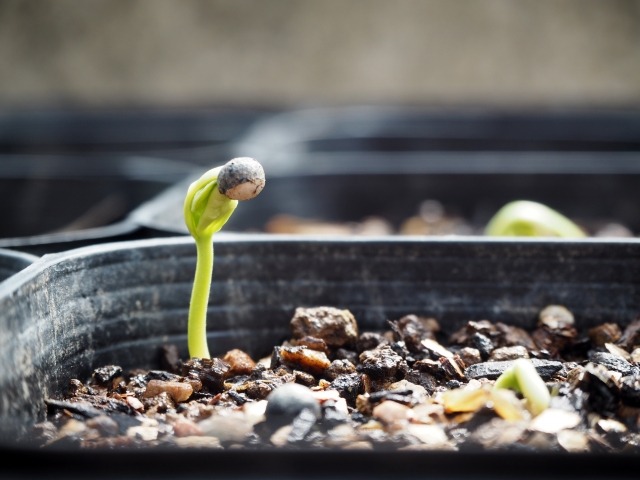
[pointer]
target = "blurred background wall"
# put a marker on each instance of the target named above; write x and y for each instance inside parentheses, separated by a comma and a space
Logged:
(285, 52)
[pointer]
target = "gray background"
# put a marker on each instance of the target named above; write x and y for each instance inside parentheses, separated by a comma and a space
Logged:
(207, 52)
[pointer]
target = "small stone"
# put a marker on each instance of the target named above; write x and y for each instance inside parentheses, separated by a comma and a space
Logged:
(240, 362)
(604, 333)
(553, 420)
(254, 412)
(418, 392)
(339, 367)
(134, 403)
(616, 350)
(556, 317)
(143, 432)
(337, 327)
(607, 425)
(612, 362)
(382, 362)
(210, 372)
(499, 433)
(72, 428)
(183, 427)
(302, 425)
(492, 370)
(434, 348)
(106, 374)
(341, 435)
(286, 402)
(335, 411)
(389, 412)
(432, 436)
(198, 442)
(232, 427)
(104, 424)
(349, 386)
(470, 356)
(307, 360)
(573, 441)
(508, 353)
(281, 436)
(359, 445)
(178, 391)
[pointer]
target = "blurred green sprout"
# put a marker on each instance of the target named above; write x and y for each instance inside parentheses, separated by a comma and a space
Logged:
(523, 378)
(524, 218)
(209, 203)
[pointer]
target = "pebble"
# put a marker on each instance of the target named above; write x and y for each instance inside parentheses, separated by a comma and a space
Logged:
(232, 427)
(337, 327)
(72, 427)
(143, 432)
(183, 427)
(178, 391)
(198, 442)
(134, 403)
(286, 401)
(573, 441)
(239, 361)
(432, 436)
(104, 424)
(508, 353)
(553, 420)
(556, 317)
(391, 413)
(492, 370)
(418, 392)
(305, 359)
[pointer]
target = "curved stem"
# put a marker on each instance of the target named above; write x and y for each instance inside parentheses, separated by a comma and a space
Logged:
(197, 324)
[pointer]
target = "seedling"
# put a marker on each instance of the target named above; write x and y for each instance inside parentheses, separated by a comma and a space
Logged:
(523, 218)
(523, 378)
(209, 203)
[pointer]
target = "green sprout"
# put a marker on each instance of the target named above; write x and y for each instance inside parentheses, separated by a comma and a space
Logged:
(524, 218)
(523, 378)
(209, 203)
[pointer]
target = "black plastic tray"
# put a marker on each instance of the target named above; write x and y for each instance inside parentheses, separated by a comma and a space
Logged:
(11, 262)
(346, 164)
(199, 135)
(76, 310)
(71, 177)
(57, 202)
(592, 195)
(402, 128)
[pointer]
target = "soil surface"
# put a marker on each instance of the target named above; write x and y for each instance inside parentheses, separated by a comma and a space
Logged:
(408, 387)
(431, 218)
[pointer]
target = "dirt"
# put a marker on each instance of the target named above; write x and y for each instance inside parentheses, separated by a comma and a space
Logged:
(408, 387)
(431, 218)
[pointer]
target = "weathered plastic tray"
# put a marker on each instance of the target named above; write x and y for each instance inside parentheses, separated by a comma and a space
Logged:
(70, 177)
(12, 262)
(344, 164)
(199, 135)
(70, 312)
(58, 202)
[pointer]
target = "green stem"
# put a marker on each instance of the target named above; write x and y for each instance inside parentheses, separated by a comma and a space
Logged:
(207, 207)
(197, 324)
